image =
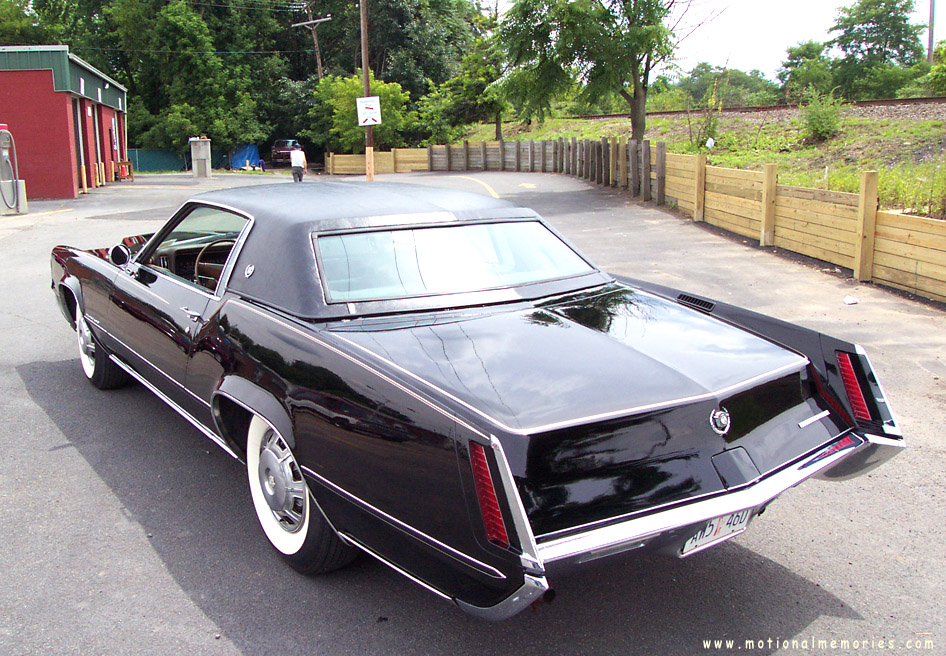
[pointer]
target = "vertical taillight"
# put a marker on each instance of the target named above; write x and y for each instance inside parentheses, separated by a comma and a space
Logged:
(486, 493)
(853, 388)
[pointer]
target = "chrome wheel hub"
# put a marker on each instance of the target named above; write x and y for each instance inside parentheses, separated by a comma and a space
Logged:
(282, 484)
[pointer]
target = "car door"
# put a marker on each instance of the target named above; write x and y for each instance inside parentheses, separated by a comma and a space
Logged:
(158, 304)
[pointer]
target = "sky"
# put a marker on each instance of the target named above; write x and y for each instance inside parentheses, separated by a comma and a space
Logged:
(754, 34)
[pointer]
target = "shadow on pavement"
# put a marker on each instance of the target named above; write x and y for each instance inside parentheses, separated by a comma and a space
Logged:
(193, 499)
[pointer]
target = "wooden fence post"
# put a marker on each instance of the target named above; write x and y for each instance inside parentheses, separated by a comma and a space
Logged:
(661, 173)
(518, 156)
(866, 223)
(531, 155)
(769, 189)
(622, 163)
(574, 155)
(483, 153)
(645, 170)
(634, 159)
(430, 157)
(502, 155)
(544, 162)
(394, 160)
(615, 168)
(699, 198)
(466, 155)
(605, 177)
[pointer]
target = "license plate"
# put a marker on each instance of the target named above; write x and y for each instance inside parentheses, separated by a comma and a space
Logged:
(717, 530)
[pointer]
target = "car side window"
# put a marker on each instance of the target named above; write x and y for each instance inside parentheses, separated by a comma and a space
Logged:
(197, 248)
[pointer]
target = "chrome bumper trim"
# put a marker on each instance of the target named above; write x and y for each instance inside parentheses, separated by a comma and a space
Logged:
(848, 455)
(531, 590)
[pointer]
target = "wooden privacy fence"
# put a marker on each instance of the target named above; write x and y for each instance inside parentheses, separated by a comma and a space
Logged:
(398, 160)
(846, 229)
(612, 162)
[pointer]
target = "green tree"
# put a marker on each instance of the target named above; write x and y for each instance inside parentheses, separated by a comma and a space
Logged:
(19, 24)
(807, 66)
(875, 36)
(607, 45)
(334, 117)
(473, 95)
(937, 75)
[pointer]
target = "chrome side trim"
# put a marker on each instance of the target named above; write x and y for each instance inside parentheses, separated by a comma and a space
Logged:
(174, 406)
(752, 495)
(347, 538)
(811, 420)
(153, 366)
(531, 590)
(407, 528)
(530, 553)
(361, 364)
(800, 364)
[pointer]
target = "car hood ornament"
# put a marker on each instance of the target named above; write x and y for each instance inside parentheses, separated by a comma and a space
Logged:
(720, 421)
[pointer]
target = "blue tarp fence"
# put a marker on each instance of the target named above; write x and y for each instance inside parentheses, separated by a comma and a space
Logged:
(247, 154)
(151, 160)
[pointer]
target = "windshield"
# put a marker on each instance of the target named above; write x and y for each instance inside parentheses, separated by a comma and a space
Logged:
(402, 263)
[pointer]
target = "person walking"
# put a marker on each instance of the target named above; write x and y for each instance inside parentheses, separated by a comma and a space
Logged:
(298, 163)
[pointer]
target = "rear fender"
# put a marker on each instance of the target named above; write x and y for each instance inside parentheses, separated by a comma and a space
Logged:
(255, 400)
(821, 351)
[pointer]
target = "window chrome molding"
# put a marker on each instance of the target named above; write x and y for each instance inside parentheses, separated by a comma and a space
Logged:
(174, 406)
(430, 541)
(227, 271)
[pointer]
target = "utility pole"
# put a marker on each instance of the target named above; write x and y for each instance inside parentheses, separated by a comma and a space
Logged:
(311, 23)
(369, 130)
(929, 52)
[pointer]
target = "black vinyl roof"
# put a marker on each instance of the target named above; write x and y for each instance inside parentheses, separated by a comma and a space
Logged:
(279, 253)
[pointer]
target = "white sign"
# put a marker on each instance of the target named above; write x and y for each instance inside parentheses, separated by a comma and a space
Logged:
(369, 111)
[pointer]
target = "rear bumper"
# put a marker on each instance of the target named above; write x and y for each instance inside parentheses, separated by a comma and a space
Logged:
(668, 529)
(849, 455)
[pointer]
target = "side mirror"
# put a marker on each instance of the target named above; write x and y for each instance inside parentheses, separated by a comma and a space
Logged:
(119, 255)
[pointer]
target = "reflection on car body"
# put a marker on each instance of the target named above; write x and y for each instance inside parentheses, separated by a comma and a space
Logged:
(442, 381)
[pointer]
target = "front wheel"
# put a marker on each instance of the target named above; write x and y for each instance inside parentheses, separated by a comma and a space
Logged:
(96, 365)
(289, 517)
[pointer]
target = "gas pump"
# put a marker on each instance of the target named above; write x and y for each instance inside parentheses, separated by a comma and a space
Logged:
(9, 170)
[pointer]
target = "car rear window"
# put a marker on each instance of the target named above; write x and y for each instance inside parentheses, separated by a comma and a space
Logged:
(404, 263)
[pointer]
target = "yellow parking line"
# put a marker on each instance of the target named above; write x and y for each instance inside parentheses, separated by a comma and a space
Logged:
(491, 191)
(68, 209)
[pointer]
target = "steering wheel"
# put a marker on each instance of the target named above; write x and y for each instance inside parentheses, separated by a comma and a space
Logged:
(207, 274)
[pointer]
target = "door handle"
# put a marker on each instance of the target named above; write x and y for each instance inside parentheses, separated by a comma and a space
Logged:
(193, 316)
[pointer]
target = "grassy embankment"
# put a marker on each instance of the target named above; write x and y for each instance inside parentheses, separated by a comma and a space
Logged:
(907, 146)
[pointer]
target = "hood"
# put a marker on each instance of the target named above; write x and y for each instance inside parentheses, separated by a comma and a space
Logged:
(588, 357)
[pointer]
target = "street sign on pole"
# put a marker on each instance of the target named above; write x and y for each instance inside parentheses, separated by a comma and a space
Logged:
(369, 110)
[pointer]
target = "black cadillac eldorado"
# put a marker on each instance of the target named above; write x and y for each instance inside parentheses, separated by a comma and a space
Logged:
(441, 380)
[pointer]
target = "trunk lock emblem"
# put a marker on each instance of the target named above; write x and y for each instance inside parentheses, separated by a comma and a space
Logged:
(720, 421)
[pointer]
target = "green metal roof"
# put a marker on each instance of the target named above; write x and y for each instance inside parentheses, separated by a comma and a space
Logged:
(70, 73)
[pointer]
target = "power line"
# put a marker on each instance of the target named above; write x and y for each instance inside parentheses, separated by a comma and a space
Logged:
(191, 52)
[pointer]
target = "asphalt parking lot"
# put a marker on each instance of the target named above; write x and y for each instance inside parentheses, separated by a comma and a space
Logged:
(127, 532)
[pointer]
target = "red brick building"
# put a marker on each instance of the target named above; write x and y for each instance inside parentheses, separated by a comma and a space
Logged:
(67, 117)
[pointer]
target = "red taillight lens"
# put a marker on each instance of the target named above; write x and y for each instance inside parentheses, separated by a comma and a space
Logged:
(853, 388)
(486, 493)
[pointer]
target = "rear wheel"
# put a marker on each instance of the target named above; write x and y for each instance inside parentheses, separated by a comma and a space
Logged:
(284, 506)
(96, 365)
